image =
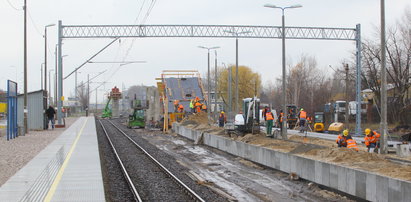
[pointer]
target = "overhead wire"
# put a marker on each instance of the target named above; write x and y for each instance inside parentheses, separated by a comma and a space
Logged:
(151, 6)
(12, 6)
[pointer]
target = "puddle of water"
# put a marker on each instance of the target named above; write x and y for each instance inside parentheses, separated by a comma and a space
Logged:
(178, 142)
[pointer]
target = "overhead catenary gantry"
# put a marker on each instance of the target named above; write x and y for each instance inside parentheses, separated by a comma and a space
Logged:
(210, 31)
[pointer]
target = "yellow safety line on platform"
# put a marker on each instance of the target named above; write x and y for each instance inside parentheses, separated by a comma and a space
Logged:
(56, 181)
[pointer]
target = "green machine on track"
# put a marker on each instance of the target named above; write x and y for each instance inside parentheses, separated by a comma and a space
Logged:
(137, 119)
(107, 110)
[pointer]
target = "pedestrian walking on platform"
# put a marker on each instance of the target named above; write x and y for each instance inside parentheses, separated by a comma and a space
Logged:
(50, 112)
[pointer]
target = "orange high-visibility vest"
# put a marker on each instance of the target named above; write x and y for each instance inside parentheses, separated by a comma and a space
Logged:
(269, 116)
(370, 139)
(351, 144)
(303, 114)
(377, 136)
(282, 115)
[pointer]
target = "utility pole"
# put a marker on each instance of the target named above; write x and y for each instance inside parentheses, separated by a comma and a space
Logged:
(25, 68)
(45, 58)
(88, 94)
(284, 107)
(236, 76)
(208, 79)
(208, 87)
(75, 86)
(41, 75)
(50, 85)
(383, 83)
(55, 79)
(346, 96)
(96, 98)
(215, 88)
(230, 97)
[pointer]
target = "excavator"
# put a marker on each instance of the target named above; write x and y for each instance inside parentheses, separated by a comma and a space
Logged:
(249, 121)
(137, 119)
(107, 110)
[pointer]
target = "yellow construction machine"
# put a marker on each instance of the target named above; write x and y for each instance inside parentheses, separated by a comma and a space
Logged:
(319, 122)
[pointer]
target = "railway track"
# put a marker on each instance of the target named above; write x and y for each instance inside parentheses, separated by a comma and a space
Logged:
(147, 178)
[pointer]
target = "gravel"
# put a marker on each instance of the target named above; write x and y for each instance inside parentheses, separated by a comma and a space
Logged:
(115, 187)
(16, 153)
(172, 165)
(151, 183)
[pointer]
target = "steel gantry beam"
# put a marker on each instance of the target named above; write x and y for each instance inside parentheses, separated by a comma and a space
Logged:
(213, 31)
(209, 31)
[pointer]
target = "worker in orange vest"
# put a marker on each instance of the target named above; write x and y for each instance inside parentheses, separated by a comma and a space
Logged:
(176, 102)
(303, 119)
(280, 120)
(204, 108)
(342, 139)
(351, 144)
(180, 108)
(372, 140)
(270, 118)
(198, 106)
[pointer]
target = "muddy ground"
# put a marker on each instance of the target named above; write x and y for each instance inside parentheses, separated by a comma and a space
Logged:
(313, 148)
(237, 178)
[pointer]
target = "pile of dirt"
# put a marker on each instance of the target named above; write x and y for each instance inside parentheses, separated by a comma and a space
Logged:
(318, 149)
(200, 118)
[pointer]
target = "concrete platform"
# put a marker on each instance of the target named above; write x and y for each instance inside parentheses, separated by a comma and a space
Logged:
(66, 170)
(362, 184)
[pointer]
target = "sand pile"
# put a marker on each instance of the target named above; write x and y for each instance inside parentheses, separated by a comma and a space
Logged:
(200, 118)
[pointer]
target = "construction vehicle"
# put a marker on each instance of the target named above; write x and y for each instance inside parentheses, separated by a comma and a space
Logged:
(137, 119)
(319, 122)
(107, 110)
(181, 86)
(114, 97)
(249, 121)
(292, 117)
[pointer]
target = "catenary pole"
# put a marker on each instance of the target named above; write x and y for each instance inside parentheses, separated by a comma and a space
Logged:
(383, 82)
(25, 68)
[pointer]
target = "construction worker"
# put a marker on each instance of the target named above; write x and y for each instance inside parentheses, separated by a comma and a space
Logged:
(351, 144)
(197, 106)
(222, 119)
(280, 120)
(204, 108)
(269, 117)
(265, 110)
(372, 140)
(180, 108)
(192, 105)
(176, 102)
(342, 139)
(303, 119)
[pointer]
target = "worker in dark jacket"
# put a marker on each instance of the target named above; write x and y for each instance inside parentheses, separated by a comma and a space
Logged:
(50, 112)
(222, 119)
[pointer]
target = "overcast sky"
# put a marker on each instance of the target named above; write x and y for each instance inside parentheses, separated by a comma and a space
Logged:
(262, 55)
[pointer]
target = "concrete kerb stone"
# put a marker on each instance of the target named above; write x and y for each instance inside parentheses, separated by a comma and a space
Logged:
(359, 183)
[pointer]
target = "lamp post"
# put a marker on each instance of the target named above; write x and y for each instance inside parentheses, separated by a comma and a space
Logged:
(236, 34)
(50, 86)
(45, 58)
(41, 76)
(284, 107)
(208, 76)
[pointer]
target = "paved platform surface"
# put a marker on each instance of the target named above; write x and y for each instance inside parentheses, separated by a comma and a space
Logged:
(68, 169)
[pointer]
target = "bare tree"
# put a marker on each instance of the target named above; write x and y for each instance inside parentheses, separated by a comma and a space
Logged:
(82, 95)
